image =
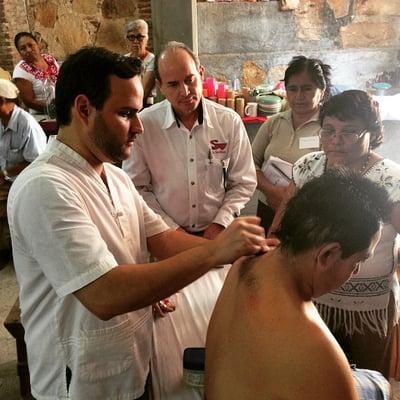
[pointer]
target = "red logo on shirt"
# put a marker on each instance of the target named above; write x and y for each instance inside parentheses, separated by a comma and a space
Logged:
(217, 146)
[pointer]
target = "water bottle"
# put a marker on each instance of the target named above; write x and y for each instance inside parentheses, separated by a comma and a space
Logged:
(236, 84)
(49, 95)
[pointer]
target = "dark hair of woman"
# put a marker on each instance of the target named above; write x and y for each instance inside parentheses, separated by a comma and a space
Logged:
(19, 35)
(356, 104)
(317, 71)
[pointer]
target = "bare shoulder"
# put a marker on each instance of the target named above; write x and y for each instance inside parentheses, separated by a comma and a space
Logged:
(322, 367)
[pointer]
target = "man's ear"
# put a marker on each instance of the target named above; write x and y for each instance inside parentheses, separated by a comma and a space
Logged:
(202, 72)
(83, 107)
(328, 255)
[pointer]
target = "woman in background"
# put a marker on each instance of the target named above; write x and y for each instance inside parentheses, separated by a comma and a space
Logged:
(361, 313)
(292, 133)
(137, 34)
(35, 74)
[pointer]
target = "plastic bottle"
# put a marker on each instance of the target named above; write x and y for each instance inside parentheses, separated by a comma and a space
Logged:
(236, 84)
(49, 96)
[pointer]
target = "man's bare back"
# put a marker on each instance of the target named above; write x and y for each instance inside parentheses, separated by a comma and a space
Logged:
(279, 348)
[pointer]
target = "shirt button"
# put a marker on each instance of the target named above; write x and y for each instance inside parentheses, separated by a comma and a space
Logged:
(191, 160)
(190, 136)
(192, 183)
(193, 205)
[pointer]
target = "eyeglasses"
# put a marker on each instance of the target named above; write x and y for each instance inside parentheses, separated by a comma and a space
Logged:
(137, 37)
(349, 135)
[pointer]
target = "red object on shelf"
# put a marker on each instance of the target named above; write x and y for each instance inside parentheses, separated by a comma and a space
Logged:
(254, 120)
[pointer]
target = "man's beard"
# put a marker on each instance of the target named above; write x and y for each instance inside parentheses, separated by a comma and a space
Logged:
(101, 137)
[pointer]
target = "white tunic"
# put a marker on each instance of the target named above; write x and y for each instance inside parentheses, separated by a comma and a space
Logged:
(67, 230)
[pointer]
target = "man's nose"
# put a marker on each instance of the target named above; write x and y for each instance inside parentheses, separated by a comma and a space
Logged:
(136, 126)
(184, 89)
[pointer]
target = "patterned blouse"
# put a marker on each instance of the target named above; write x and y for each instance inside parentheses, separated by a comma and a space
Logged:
(368, 292)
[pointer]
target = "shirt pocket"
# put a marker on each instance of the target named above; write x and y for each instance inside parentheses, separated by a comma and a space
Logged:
(15, 156)
(118, 353)
(216, 175)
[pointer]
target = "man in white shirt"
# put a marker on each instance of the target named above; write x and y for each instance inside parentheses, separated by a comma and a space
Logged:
(193, 167)
(81, 235)
(21, 141)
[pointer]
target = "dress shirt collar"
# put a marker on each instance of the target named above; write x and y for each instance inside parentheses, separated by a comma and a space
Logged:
(171, 117)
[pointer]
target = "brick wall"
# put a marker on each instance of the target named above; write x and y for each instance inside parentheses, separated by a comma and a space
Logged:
(66, 26)
(5, 42)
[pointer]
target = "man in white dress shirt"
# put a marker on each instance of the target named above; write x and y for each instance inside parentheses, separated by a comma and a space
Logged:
(194, 167)
(81, 235)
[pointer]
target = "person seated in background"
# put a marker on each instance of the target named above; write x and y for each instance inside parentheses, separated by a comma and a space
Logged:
(292, 133)
(137, 34)
(266, 339)
(21, 141)
(35, 75)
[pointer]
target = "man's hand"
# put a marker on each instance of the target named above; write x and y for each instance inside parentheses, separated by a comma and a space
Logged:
(213, 231)
(244, 236)
(163, 307)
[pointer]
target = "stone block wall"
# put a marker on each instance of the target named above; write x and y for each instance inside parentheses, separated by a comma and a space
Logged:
(67, 25)
(255, 41)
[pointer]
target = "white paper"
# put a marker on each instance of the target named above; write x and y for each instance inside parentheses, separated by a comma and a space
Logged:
(309, 142)
(277, 171)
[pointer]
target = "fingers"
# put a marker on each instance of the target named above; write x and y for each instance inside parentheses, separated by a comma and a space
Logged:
(163, 307)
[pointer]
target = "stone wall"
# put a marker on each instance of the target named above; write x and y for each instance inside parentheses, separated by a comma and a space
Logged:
(67, 25)
(255, 41)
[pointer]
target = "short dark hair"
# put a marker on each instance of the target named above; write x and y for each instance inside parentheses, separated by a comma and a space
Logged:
(352, 104)
(19, 35)
(339, 206)
(318, 72)
(88, 72)
(174, 46)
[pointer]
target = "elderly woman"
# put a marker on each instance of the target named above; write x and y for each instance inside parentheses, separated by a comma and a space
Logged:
(363, 312)
(137, 34)
(293, 133)
(34, 74)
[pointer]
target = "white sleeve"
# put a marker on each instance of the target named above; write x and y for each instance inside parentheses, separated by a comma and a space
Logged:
(241, 175)
(36, 142)
(20, 73)
(136, 168)
(59, 234)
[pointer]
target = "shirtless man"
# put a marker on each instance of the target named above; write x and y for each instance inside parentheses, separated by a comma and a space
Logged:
(266, 339)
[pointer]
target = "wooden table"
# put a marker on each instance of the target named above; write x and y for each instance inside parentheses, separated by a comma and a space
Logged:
(13, 324)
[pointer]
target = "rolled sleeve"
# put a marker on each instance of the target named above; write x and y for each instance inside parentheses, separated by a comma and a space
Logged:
(75, 252)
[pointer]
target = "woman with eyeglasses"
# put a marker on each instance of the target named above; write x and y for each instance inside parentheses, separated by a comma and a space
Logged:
(137, 35)
(363, 312)
(292, 133)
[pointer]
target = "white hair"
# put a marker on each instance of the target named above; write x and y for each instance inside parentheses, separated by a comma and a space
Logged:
(136, 24)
